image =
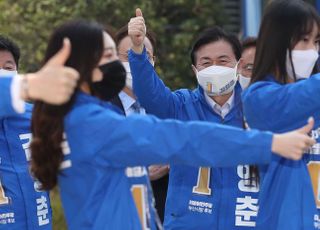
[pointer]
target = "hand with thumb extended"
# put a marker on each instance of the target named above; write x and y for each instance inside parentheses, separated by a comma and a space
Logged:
(137, 31)
(294, 144)
(54, 83)
(139, 12)
(308, 127)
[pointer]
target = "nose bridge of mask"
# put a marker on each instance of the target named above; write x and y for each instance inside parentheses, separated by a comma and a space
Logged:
(214, 69)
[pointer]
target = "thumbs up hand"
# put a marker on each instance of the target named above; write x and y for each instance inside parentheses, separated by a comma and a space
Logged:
(294, 144)
(137, 31)
(54, 83)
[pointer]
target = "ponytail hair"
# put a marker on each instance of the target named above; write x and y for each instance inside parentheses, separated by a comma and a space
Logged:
(47, 123)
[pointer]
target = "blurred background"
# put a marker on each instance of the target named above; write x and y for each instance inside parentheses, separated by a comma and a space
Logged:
(175, 23)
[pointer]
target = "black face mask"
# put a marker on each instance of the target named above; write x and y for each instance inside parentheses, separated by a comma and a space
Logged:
(113, 81)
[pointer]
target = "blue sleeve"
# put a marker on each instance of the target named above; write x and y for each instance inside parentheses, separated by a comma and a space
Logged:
(114, 140)
(272, 106)
(151, 92)
(6, 108)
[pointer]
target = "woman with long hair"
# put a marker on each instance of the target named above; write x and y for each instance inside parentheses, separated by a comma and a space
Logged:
(282, 95)
(85, 145)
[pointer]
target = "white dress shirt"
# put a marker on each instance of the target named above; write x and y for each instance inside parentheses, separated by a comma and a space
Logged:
(221, 110)
(128, 104)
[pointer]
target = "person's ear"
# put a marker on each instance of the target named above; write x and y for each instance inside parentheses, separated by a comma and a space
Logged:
(194, 69)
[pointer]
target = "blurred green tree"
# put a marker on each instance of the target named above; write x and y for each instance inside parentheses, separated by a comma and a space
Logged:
(175, 22)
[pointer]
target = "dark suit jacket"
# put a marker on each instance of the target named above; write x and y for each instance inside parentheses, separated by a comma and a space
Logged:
(117, 102)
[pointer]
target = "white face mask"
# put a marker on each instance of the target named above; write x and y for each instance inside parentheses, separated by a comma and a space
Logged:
(129, 76)
(303, 63)
(217, 80)
(6, 73)
(244, 81)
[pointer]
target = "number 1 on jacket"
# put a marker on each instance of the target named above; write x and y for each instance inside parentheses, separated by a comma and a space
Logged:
(3, 198)
(203, 182)
(140, 200)
(314, 171)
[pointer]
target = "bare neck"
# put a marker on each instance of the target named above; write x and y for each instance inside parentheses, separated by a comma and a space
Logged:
(85, 88)
(221, 100)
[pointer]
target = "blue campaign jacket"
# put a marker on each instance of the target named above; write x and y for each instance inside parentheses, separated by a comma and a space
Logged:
(287, 198)
(26, 206)
(224, 204)
(5, 95)
(102, 143)
(21, 205)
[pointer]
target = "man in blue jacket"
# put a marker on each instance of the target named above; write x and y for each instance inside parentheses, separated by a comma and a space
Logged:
(200, 198)
(22, 204)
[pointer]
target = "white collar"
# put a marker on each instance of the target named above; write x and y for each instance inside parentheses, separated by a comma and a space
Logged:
(217, 108)
(126, 100)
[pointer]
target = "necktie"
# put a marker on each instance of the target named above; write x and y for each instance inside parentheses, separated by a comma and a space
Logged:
(136, 107)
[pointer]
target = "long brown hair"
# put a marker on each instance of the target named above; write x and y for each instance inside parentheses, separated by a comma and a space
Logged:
(47, 120)
(284, 23)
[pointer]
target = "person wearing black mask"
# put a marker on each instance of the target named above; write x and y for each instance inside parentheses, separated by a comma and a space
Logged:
(113, 77)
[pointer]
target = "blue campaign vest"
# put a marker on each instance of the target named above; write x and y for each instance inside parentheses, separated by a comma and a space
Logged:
(288, 198)
(6, 107)
(121, 185)
(22, 205)
(229, 203)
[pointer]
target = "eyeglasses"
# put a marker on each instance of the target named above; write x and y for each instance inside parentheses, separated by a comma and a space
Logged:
(225, 61)
(248, 67)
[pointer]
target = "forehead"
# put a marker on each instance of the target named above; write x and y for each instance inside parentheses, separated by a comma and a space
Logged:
(6, 57)
(315, 29)
(108, 41)
(310, 29)
(215, 50)
(125, 44)
(249, 53)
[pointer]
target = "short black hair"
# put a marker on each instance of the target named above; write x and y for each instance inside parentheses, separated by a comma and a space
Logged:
(248, 43)
(214, 34)
(123, 32)
(7, 44)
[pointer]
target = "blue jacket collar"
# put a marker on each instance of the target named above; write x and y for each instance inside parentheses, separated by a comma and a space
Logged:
(84, 98)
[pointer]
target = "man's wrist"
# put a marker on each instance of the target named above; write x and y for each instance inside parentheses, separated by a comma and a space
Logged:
(138, 49)
(27, 87)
